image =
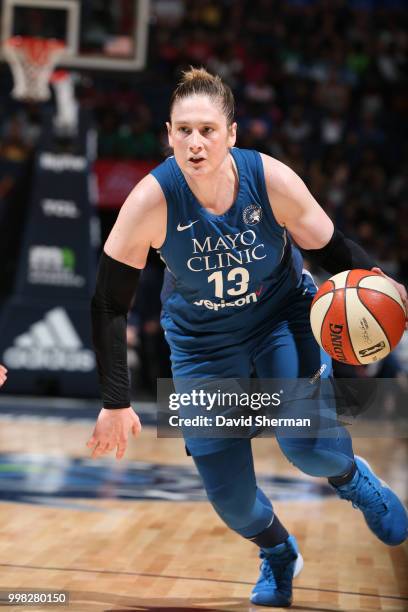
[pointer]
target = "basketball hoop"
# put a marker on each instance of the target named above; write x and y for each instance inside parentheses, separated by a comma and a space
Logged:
(32, 61)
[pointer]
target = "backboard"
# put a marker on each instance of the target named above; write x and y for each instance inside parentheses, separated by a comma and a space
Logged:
(98, 34)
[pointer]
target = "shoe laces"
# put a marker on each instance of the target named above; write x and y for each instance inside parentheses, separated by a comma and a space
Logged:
(365, 495)
(277, 568)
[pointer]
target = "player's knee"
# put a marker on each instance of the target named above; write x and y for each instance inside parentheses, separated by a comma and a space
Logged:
(317, 461)
(235, 512)
(245, 514)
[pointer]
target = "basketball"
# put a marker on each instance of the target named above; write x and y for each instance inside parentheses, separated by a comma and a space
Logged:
(357, 317)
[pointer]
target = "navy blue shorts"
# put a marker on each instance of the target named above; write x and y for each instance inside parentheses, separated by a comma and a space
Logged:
(283, 347)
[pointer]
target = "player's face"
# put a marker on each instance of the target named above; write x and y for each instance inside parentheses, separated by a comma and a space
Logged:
(199, 135)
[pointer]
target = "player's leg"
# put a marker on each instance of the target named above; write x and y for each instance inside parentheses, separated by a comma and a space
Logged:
(230, 483)
(198, 365)
(227, 471)
(232, 489)
(291, 351)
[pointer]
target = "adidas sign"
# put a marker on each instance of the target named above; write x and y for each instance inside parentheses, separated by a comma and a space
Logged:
(50, 344)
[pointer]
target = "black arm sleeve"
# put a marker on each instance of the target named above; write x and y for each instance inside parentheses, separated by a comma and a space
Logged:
(340, 254)
(116, 284)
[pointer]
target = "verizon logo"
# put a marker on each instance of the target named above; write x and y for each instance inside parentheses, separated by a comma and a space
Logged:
(50, 344)
(250, 297)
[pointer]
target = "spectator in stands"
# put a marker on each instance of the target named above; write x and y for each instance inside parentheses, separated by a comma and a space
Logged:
(312, 88)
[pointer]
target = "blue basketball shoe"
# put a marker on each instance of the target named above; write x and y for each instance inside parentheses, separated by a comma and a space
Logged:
(384, 513)
(280, 564)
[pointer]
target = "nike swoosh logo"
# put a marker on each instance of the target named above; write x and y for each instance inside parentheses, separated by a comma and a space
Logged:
(181, 228)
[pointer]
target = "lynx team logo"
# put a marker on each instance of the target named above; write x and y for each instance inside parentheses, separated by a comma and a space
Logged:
(252, 214)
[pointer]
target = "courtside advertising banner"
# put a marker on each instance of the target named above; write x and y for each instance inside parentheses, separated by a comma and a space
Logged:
(47, 348)
(56, 259)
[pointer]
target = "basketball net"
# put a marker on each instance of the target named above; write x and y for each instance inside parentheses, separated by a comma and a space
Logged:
(32, 61)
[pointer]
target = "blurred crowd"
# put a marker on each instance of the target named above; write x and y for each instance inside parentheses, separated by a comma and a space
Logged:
(319, 84)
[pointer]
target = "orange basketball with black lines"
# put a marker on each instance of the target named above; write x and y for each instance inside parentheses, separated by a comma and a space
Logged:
(357, 317)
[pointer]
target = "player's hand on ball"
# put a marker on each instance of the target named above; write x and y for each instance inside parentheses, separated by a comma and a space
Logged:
(3, 375)
(112, 431)
(400, 288)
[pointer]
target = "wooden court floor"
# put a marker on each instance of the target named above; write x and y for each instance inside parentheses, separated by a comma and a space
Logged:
(116, 554)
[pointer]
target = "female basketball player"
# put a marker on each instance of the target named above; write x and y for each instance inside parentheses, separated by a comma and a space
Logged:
(236, 300)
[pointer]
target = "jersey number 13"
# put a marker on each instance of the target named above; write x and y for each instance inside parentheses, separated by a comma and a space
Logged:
(240, 277)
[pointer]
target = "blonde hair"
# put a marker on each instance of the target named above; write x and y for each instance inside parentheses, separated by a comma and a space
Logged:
(196, 82)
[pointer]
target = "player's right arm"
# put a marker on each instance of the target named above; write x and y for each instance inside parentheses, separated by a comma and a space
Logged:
(141, 224)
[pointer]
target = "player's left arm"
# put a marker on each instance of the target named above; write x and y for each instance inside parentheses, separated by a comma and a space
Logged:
(3, 375)
(295, 208)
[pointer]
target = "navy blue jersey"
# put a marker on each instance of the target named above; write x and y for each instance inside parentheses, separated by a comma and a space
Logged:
(229, 272)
